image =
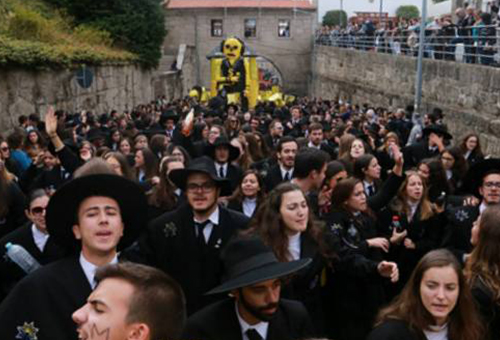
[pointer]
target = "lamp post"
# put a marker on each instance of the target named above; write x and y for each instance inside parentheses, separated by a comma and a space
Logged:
(418, 82)
(380, 12)
(341, 11)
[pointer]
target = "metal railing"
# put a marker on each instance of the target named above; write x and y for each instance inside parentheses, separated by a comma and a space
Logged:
(474, 45)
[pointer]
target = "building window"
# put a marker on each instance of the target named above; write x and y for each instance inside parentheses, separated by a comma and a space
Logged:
(283, 28)
(216, 27)
(250, 28)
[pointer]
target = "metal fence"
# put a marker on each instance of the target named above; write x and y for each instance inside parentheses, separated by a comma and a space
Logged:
(474, 45)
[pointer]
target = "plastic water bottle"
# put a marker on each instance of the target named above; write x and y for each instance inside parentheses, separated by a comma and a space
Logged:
(21, 257)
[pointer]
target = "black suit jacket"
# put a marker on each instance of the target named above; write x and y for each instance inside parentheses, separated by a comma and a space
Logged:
(219, 321)
(414, 153)
(47, 298)
(234, 174)
(11, 272)
(170, 244)
(273, 177)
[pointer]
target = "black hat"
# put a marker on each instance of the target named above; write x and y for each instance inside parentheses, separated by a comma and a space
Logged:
(169, 114)
(474, 177)
(95, 134)
(438, 129)
(248, 261)
(234, 152)
(64, 204)
(200, 165)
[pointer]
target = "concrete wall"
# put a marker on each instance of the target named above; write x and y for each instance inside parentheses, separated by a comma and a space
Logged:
(468, 94)
(291, 55)
(26, 92)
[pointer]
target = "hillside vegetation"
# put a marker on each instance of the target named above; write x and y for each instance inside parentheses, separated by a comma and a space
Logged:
(33, 33)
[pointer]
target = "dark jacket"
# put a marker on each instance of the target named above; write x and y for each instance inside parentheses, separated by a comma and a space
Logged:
(458, 230)
(273, 177)
(170, 244)
(414, 153)
(11, 272)
(395, 330)
(488, 308)
(47, 298)
(219, 321)
(15, 216)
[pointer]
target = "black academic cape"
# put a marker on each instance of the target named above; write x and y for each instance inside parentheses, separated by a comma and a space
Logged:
(46, 298)
(170, 244)
(11, 272)
(273, 177)
(458, 230)
(395, 330)
(219, 321)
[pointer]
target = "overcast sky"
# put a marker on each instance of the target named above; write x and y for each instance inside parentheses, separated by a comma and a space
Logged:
(351, 6)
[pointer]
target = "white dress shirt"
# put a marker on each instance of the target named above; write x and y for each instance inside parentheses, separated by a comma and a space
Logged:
(294, 246)
(249, 205)
(89, 269)
(39, 237)
(260, 327)
(214, 220)
(284, 171)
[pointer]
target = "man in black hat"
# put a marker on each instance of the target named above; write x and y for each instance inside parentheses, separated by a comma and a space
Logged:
(483, 179)
(186, 242)
(223, 154)
(254, 311)
(92, 217)
(434, 141)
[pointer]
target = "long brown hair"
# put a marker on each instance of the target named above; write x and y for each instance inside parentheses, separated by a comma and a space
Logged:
(484, 262)
(464, 322)
(268, 223)
(163, 194)
(400, 203)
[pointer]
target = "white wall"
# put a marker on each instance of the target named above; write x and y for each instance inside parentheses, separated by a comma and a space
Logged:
(351, 6)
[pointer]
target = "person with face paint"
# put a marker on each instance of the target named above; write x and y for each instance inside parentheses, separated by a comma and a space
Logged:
(92, 217)
(132, 301)
(254, 310)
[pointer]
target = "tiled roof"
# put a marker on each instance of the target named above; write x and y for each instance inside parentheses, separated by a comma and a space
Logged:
(300, 4)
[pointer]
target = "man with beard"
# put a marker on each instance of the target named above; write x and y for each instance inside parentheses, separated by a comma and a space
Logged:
(186, 243)
(254, 310)
(283, 171)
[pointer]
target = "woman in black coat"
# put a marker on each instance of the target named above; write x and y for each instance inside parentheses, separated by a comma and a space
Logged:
(249, 194)
(436, 303)
(355, 288)
(412, 226)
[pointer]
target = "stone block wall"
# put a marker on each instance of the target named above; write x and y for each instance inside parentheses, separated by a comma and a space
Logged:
(468, 94)
(23, 92)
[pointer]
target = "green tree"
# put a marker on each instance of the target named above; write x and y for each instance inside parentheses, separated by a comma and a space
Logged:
(334, 18)
(408, 12)
(137, 25)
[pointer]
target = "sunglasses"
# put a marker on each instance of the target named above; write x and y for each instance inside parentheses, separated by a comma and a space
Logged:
(37, 210)
(5, 148)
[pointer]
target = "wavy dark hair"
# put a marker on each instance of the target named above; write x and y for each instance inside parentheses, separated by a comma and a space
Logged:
(477, 151)
(163, 194)
(238, 193)
(464, 322)
(268, 224)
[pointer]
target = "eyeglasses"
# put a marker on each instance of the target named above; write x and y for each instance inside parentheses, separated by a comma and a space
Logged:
(5, 148)
(38, 210)
(205, 187)
(492, 185)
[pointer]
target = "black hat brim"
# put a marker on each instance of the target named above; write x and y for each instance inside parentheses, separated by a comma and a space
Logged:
(234, 152)
(64, 204)
(179, 178)
(428, 130)
(267, 272)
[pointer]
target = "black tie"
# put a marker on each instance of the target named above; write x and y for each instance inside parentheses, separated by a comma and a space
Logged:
(287, 176)
(221, 172)
(370, 190)
(252, 334)
(199, 227)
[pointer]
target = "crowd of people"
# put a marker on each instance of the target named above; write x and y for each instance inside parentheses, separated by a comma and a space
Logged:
(189, 220)
(471, 37)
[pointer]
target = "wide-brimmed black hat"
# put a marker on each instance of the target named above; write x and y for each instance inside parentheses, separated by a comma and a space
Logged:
(200, 165)
(63, 207)
(95, 134)
(474, 177)
(438, 129)
(169, 114)
(234, 152)
(247, 261)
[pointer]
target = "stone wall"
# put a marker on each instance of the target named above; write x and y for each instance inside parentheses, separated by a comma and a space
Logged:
(292, 55)
(23, 92)
(468, 94)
